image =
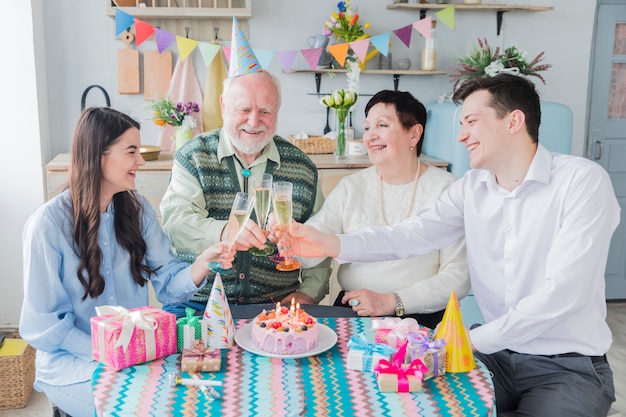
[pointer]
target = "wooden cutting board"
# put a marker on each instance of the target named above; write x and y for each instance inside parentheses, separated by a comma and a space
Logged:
(128, 67)
(157, 74)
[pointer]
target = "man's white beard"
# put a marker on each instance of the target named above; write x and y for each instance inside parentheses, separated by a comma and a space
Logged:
(248, 147)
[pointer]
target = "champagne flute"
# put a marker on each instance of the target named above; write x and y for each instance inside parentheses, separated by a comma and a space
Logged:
(240, 211)
(262, 186)
(283, 207)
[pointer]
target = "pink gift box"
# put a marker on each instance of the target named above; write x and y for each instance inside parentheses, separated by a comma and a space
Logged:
(393, 331)
(121, 338)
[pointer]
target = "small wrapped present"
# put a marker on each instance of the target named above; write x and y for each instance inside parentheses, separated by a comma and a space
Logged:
(201, 358)
(121, 338)
(431, 352)
(396, 376)
(182, 329)
(393, 331)
(362, 355)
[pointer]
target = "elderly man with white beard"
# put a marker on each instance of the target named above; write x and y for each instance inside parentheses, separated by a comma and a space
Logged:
(208, 172)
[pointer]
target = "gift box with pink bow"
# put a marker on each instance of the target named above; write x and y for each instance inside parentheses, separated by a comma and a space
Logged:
(121, 338)
(363, 355)
(396, 376)
(431, 352)
(393, 331)
(200, 358)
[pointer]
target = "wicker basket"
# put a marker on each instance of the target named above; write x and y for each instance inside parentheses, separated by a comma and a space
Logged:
(17, 374)
(314, 144)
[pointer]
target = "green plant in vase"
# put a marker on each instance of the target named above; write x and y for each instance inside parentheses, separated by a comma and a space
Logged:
(341, 101)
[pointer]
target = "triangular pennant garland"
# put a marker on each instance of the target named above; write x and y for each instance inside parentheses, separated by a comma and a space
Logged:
(447, 17)
(339, 51)
(360, 48)
(286, 59)
(404, 34)
(312, 56)
(208, 51)
(423, 26)
(381, 42)
(163, 39)
(143, 31)
(265, 57)
(185, 46)
(249, 60)
(123, 21)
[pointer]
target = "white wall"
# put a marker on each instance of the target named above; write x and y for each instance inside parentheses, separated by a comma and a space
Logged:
(80, 50)
(21, 178)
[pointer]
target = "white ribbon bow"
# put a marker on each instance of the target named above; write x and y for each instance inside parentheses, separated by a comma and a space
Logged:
(132, 320)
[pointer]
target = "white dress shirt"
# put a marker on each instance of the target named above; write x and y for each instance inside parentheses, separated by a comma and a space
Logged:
(536, 254)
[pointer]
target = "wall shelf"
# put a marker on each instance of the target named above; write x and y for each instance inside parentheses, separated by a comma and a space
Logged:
(498, 8)
(204, 18)
(464, 7)
(395, 73)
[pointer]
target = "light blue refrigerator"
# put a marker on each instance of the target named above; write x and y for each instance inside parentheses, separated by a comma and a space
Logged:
(442, 131)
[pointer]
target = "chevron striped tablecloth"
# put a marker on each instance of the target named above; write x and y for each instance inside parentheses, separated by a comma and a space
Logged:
(314, 386)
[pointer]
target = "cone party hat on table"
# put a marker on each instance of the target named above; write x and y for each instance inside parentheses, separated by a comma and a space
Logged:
(459, 356)
(242, 58)
(218, 325)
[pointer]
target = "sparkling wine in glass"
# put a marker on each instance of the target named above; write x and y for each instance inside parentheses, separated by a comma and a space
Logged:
(262, 186)
(240, 211)
(282, 192)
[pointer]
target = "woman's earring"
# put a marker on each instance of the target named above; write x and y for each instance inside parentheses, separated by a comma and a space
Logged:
(412, 148)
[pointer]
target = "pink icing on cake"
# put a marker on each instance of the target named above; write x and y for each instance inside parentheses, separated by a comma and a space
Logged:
(286, 332)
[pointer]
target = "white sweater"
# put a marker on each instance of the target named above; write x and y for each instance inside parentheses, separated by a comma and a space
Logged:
(424, 282)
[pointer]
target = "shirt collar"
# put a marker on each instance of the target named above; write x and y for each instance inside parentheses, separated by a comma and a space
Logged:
(540, 169)
(225, 149)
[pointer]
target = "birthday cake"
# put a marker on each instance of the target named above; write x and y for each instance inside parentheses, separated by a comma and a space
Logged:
(284, 331)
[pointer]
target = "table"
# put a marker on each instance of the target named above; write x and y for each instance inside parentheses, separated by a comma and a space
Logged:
(315, 386)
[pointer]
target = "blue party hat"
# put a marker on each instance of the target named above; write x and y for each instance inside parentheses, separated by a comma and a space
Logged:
(242, 58)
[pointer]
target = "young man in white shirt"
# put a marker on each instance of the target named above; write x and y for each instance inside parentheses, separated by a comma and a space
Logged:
(538, 226)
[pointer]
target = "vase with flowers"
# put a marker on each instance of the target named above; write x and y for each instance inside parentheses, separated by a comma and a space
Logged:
(340, 100)
(178, 115)
(485, 61)
(344, 24)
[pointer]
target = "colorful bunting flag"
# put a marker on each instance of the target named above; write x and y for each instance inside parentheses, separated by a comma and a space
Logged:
(123, 21)
(163, 39)
(258, 59)
(312, 56)
(339, 51)
(424, 26)
(265, 57)
(185, 46)
(360, 48)
(381, 42)
(404, 34)
(286, 58)
(208, 51)
(447, 17)
(143, 31)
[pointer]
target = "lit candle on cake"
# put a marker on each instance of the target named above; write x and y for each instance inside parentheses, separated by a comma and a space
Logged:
(277, 309)
(297, 312)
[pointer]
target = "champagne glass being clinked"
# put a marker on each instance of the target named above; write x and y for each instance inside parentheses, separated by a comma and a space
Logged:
(282, 192)
(240, 212)
(262, 186)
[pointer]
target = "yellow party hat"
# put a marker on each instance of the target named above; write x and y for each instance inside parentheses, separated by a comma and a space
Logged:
(459, 356)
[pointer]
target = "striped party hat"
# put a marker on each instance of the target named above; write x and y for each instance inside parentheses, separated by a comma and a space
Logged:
(242, 58)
